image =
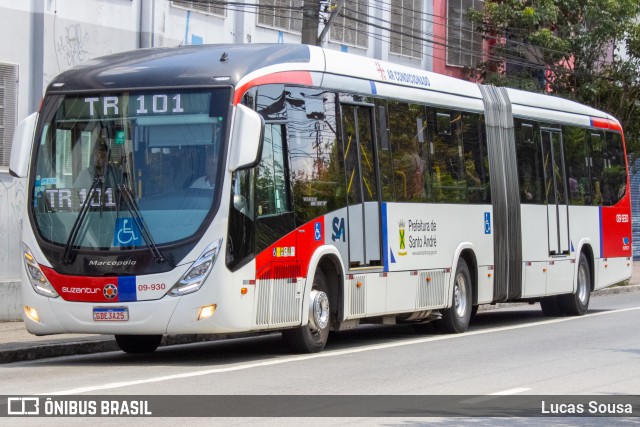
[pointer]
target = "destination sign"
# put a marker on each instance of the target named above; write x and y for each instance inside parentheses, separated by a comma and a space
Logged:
(138, 104)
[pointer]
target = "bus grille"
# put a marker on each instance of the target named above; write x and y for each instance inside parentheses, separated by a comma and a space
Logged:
(278, 300)
(357, 295)
(264, 293)
(431, 289)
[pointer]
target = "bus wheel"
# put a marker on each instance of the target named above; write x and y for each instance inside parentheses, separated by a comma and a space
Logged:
(138, 343)
(455, 319)
(311, 338)
(550, 307)
(576, 304)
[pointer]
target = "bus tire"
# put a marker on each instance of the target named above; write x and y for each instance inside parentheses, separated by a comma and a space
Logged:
(577, 304)
(138, 344)
(312, 337)
(550, 306)
(455, 319)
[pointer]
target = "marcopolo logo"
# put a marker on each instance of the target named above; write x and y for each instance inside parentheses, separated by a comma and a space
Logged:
(95, 263)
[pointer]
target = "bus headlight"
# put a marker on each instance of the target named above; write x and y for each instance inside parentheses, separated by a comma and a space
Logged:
(193, 279)
(37, 278)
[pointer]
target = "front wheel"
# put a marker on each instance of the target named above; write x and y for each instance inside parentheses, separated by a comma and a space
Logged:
(455, 319)
(138, 344)
(312, 337)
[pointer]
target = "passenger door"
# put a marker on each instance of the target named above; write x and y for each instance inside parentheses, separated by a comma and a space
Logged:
(556, 191)
(363, 190)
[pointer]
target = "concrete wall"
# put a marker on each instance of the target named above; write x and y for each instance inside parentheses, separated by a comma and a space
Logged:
(12, 212)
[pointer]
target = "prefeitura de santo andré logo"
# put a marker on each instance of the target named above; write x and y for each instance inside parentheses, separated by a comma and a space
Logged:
(401, 230)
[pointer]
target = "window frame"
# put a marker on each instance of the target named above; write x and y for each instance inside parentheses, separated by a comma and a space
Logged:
(457, 43)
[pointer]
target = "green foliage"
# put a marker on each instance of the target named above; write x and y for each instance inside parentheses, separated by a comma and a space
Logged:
(566, 46)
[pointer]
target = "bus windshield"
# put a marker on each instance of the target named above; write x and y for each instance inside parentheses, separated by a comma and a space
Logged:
(128, 170)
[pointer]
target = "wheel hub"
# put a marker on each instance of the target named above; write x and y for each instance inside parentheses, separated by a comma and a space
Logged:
(318, 310)
(460, 295)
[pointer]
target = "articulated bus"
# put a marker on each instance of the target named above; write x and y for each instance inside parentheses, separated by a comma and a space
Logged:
(256, 188)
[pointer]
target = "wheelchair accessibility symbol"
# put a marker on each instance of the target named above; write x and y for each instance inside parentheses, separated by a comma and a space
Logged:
(317, 231)
(126, 233)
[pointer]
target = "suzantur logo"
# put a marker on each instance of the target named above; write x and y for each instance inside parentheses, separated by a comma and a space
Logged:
(112, 263)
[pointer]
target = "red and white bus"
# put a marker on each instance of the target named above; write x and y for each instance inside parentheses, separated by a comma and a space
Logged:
(247, 188)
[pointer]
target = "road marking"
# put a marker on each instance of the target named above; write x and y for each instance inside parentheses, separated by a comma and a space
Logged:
(290, 359)
(510, 391)
(492, 396)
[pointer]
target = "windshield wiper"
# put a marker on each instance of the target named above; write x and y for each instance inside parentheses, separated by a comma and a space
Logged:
(132, 207)
(68, 247)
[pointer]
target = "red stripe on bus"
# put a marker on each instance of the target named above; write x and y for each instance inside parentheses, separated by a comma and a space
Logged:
(294, 77)
(80, 288)
(606, 124)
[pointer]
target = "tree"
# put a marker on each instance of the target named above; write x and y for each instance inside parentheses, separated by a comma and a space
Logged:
(585, 50)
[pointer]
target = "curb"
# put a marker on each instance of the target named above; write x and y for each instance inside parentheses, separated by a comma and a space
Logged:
(21, 352)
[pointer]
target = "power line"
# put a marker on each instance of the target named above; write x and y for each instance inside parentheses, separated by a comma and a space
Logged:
(513, 58)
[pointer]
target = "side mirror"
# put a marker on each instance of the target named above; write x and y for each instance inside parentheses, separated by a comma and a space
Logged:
(246, 136)
(21, 147)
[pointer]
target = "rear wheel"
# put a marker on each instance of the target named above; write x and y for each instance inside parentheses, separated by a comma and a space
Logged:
(312, 337)
(455, 319)
(577, 304)
(138, 343)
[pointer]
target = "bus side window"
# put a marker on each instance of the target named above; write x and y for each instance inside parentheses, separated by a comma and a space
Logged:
(241, 240)
(384, 152)
(272, 197)
(315, 154)
(449, 177)
(274, 217)
(476, 160)
(529, 157)
(576, 160)
(596, 166)
(407, 126)
(614, 177)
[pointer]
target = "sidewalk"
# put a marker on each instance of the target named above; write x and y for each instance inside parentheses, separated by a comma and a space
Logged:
(16, 344)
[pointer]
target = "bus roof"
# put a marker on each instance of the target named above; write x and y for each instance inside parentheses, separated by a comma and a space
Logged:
(239, 65)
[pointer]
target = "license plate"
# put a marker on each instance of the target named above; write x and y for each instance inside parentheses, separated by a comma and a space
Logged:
(110, 314)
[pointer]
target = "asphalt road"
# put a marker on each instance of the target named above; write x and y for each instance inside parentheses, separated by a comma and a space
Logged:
(509, 351)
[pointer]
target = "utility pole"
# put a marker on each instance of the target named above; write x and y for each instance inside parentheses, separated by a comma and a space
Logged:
(310, 19)
(334, 12)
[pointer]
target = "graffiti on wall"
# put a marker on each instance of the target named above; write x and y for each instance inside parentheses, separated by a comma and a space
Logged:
(12, 196)
(71, 46)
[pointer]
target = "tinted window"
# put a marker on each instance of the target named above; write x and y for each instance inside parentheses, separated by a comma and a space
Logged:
(273, 209)
(576, 156)
(155, 144)
(315, 157)
(407, 127)
(614, 177)
(530, 167)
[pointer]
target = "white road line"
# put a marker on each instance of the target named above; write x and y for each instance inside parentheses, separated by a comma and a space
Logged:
(290, 359)
(492, 396)
(510, 391)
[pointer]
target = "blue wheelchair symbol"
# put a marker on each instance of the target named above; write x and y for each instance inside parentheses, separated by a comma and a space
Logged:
(317, 231)
(487, 223)
(126, 232)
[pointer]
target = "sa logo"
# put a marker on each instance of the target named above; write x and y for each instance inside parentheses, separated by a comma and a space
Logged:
(338, 230)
